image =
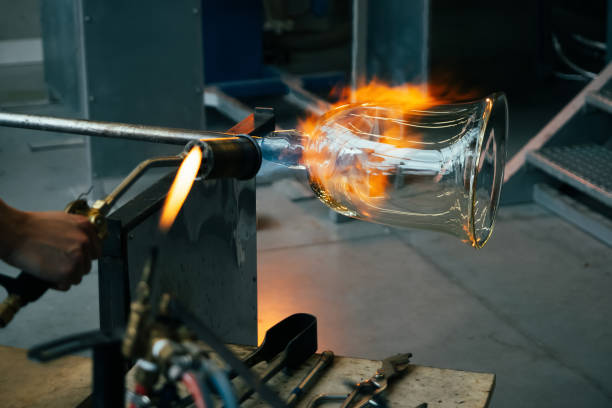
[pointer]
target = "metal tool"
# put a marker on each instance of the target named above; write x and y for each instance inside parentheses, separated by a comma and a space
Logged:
(326, 359)
(391, 367)
(277, 339)
(301, 331)
(369, 392)
(236, 155)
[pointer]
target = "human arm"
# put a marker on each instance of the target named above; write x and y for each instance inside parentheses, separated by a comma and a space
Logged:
(54, 246)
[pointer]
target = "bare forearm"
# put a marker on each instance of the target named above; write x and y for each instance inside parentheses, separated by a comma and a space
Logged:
(10, 221)
(54, 246)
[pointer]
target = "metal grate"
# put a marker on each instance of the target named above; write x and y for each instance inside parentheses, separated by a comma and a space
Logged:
(585, 167)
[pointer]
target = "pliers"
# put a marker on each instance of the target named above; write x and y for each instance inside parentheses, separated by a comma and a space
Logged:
(369, 392)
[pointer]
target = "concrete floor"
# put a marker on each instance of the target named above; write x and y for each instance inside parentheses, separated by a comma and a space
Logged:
(533, 306)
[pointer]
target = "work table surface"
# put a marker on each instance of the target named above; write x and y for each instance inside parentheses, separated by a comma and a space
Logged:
(67, 382)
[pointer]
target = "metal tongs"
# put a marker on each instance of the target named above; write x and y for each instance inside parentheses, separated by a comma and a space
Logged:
(287, 344)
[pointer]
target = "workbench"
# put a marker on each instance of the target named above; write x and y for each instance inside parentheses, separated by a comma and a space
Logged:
(67, 382)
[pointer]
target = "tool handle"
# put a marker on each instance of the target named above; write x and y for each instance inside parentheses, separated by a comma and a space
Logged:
(327, 357)
(272, 369)
(22, 290)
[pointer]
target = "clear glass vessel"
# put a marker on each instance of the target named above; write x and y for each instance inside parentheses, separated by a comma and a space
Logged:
(439, 168)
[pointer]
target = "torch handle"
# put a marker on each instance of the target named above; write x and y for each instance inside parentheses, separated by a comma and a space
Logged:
(21, 290)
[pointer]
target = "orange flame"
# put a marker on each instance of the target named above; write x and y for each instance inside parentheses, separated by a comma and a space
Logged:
(180, 188)
(365, 181)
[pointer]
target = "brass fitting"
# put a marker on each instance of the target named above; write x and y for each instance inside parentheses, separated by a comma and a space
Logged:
(8, 308)
(96, 218)
(139, 324)
(133, 339)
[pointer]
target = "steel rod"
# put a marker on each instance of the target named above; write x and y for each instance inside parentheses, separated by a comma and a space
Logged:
(106, 129)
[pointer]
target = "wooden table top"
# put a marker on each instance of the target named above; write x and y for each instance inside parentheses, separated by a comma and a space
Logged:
(67, 382)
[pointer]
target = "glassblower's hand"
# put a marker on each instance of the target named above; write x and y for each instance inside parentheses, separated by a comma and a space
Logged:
(53, 246)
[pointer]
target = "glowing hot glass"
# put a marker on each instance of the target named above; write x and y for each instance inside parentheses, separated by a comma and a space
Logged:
(433, 167)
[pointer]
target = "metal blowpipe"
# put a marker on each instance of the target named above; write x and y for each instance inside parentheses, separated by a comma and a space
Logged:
(106, 129)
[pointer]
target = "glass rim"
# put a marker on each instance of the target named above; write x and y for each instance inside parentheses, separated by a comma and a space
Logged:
(491, 101)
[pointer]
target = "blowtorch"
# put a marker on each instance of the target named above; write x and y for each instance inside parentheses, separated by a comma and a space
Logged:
(224, 155)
